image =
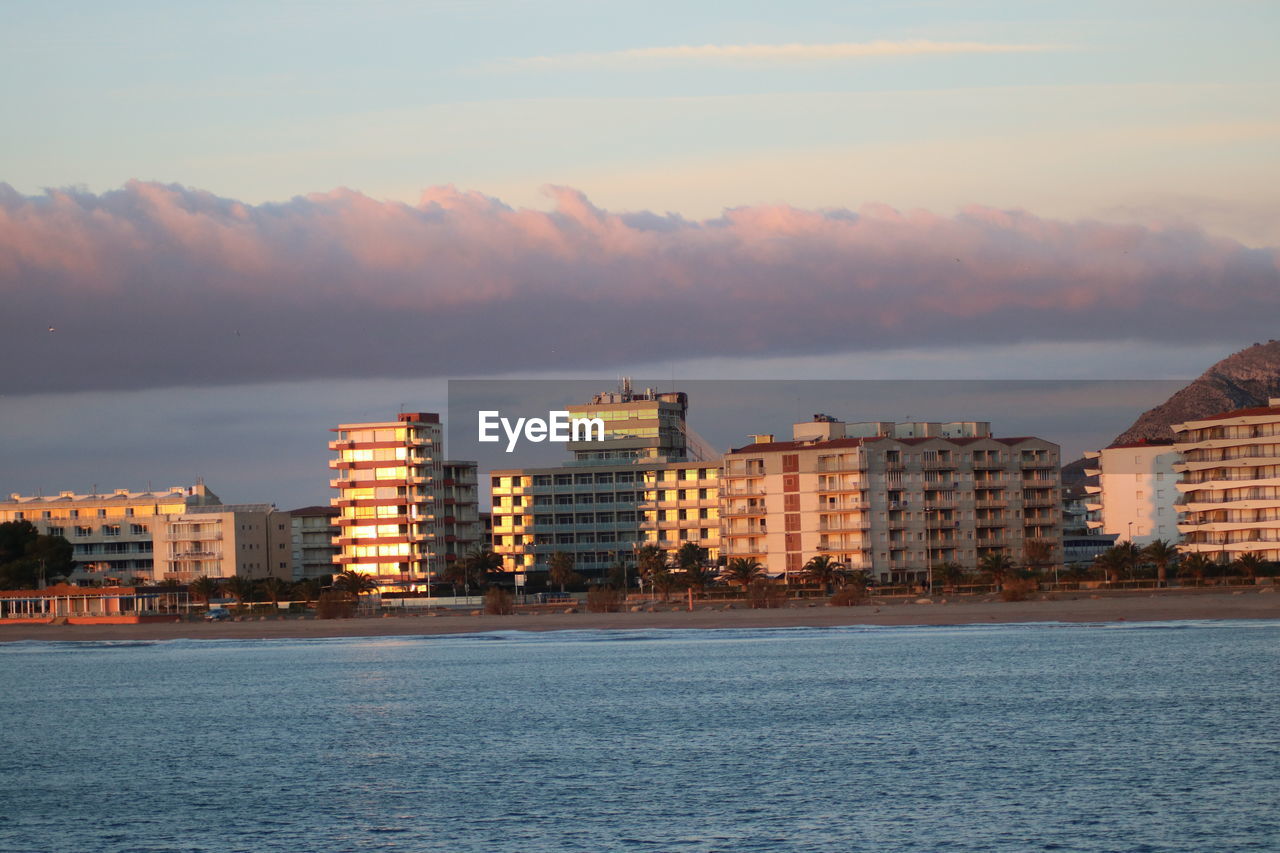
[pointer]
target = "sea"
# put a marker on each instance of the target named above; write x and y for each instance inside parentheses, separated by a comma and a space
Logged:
(1097, 737)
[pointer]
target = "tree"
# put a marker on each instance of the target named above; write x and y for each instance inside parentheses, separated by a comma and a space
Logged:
(691, 559)
(1112, 562)
(203, 589)
(1038, 554)
(355, 584)
(482, 565)
(1162, 554)
(649, 559)
(28, 557)
(1196, 566)
(274, 589)
(1249, 564)
(998, 565)
(826, 572)
(240, 588)
(1130, 556)
(308, 589)
(560, 570)
(743, 571)
(663, 580)
(949, 573)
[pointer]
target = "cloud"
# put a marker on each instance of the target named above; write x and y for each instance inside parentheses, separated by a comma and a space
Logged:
(155, 285)
(772, 53)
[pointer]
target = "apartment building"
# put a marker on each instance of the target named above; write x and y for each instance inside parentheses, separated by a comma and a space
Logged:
(110, 533)
(1135, 499)
(591, 507)
(313, 529)
(461, 528)
(250, 540)
(1230, 483)
(680, 503)
(892, 499)
(388, 479)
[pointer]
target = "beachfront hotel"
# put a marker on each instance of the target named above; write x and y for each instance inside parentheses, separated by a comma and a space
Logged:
(595, 506)
(1135, 499)
(388, 477)
(110, 533)
(1230, 483)
(893, 499)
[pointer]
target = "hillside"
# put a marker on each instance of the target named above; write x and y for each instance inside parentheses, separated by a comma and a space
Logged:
(1247, 378)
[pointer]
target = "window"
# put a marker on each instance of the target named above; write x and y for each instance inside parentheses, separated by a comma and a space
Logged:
(110, 530)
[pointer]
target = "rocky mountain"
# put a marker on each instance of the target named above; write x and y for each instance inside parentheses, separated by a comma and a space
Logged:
(1247, 378)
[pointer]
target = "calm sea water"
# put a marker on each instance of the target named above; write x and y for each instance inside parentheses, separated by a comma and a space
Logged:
(1105, 737)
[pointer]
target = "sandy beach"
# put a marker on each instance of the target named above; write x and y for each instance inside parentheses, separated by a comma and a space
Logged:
(1169, 605)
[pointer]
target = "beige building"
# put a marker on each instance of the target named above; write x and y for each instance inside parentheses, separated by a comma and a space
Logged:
(892, 499)
(1136, 495)
(388, 480)
(1231, 483)
(110, 533)
(250, 540)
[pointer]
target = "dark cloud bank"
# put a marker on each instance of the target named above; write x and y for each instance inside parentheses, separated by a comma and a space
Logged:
(154, 285)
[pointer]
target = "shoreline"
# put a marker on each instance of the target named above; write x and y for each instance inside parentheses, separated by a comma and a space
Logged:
(1145, 606)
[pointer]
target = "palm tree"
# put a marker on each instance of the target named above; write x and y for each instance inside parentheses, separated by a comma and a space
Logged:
(692, 562)
(481, 565)
(1196, 566)
(1162, 554)
(274, 589)
(355, 584)
(663, 580)
(950, 573)
(203, 589)
(308, 589)
(239, 587)
(1130, 555)
(1112, 562)
(743, 571)
(1249, 564)
(560, 570)
(828, 573)
(998, 565)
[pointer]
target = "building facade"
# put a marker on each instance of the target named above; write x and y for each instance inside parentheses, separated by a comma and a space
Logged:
(249, 540)
(110, 534)
(1230, 483)
(1136, 497)
(893, 506)
(591, 508)
(388, 479)
(461, 528)
(313, 530)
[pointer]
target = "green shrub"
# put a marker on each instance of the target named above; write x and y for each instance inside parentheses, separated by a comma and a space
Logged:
(764, 594)
(335, 605)
(849, 595)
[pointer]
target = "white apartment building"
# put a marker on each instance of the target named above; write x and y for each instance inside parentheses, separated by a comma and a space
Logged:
(1137, 494)
(1231, 483)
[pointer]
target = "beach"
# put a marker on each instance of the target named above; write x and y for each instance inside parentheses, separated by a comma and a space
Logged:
(1146, 606)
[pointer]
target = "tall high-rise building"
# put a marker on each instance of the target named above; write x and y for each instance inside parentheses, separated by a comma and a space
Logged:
(314, 529)
(461, 528)
(1231, 483)
(388, 479)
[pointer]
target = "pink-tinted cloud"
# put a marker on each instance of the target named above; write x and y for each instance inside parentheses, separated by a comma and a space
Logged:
(154, 285)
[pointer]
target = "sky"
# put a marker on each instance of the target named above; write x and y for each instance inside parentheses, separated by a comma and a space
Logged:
(225, 228)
